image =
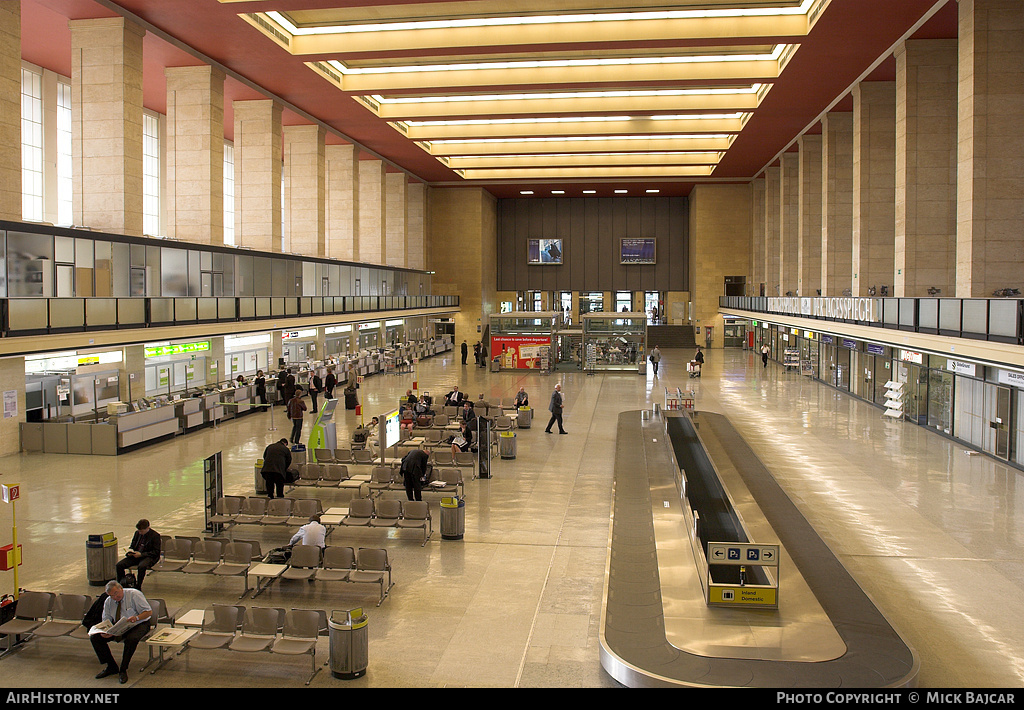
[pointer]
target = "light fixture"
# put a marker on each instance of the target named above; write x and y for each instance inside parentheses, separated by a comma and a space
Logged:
(526, 192)
(590, 192)
(558, 192)
(621, 192)
(652, 192)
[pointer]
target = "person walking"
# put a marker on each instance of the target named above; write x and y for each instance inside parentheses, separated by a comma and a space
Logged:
(555, 407)
(655, 359)
(465, 352)
(296, 408)
(329, 383)
(764, 354)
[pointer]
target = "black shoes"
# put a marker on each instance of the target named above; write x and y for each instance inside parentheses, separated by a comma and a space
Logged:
(105, 672)
(122, 678)
(563, 432)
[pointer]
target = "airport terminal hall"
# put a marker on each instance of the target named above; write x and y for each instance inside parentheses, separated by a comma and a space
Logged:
(477, 344)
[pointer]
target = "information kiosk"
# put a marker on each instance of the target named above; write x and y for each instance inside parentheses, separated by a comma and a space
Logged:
(323, 435)
(390, 433)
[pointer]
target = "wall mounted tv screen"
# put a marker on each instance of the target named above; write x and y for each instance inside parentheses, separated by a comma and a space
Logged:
(544, 251)
(637, 251)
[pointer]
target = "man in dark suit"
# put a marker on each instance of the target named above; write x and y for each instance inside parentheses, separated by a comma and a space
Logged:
(454, 398)
(465, 352)
(276, 459)
(144, 552)
(556, 410)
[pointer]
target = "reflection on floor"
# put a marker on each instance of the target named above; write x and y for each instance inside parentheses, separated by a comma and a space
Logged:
(933, 535)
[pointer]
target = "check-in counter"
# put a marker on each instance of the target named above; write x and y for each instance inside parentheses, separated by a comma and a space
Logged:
(212, 408)
(237, 398)
(189, 413)
(137, 427)
(62, 437)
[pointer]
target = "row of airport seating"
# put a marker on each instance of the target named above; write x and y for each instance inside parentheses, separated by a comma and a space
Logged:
(382, 513)
(259, 510)
(50, 615)
(258, 629)
(218, 558)
(337, 563)
(41, 615)
(389, 478)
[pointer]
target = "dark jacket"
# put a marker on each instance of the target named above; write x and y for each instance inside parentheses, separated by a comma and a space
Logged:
(296, 407)
(276, 459)
(556, 402)
(329, 383)
(317, 385)
(414, 467)
(148, 544)
(261, 385)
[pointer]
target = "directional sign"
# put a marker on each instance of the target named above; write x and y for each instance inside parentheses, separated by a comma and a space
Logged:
(736, 553)
(10, 492)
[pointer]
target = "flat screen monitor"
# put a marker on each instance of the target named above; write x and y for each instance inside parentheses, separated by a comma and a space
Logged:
(327, 411)
(637, 251)
(391, 429)
(544, 251)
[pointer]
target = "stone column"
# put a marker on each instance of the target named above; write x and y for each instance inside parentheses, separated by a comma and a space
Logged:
(789, 224)
(305, 189)
(772, 223)
(874, 186)
(925, 244)
(396, 223)
(342, 201)
(837, 203)
(463, 253)
(990, 147)
(810, 215)
(106, 143)
(10, 112)
(416, 198)
(12, 379)
(195, 154)
(372, 217)
(133, 373)
(757, 237)
(719, 230)
(258, 174)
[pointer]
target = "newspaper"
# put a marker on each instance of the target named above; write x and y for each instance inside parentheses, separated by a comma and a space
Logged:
(107, 627)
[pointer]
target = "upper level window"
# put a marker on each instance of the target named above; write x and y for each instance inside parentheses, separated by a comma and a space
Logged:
(31, 145)
(229, 194)
(150, 174)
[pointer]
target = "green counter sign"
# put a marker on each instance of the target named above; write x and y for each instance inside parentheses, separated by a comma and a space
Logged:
(178, 349)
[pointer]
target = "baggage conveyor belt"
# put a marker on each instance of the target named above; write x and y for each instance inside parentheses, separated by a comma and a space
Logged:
(650, 553)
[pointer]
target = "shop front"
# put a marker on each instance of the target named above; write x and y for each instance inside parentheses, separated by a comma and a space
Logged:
(523, 340)
(614, 342)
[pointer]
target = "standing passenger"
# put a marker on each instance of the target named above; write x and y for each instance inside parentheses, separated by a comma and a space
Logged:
(296, 407)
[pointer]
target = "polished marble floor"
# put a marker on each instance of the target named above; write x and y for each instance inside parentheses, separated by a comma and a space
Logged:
(935, 536)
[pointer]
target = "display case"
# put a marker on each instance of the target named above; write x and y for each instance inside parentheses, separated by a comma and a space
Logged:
(522, 340)
(614, 342)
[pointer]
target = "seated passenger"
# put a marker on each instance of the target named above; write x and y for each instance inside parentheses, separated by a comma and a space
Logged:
(522, 399)
(407, 420)
(454, 398)
(462, 441)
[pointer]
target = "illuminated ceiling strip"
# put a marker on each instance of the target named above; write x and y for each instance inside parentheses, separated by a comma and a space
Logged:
(566, 95)
(569, 119)
(582, 18)
(541, 139)
(775, 54)
(588, 172)
(583, 159)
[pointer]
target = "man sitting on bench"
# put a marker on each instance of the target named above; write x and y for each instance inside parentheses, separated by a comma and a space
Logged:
(121, 603)
(144, 552)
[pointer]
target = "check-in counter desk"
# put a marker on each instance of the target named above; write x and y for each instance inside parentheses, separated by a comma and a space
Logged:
(55, 437)
(190, 413)
(137, 427)
(238, 400)
(212, 408)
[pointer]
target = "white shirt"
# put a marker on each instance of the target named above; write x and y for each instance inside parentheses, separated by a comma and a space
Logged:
(312, 533)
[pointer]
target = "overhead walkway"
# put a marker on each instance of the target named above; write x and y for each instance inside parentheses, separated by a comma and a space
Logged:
(657, 630)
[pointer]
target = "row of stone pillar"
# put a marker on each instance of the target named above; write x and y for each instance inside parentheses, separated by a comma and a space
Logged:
(920, 188)
(337, 205)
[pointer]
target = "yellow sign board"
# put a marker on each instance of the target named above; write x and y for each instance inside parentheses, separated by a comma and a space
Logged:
(743, 596)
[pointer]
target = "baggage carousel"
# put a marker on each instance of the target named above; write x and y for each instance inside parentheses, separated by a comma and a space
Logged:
(656, 628)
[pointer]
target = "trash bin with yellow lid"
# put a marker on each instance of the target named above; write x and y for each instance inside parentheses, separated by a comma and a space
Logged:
(349, 643)
(453, 518)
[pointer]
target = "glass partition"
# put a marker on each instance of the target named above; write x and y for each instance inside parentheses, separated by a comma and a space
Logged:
(523, 340)
(614, 341)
